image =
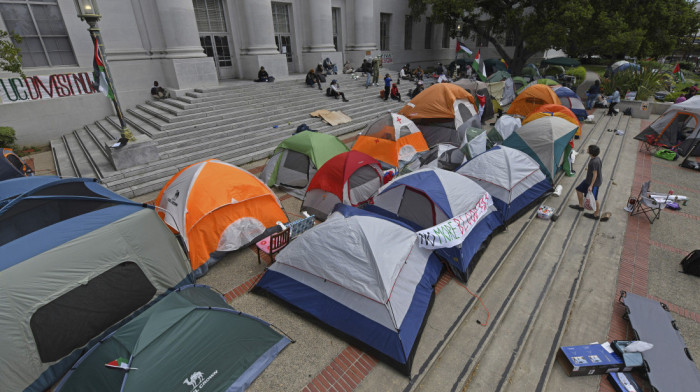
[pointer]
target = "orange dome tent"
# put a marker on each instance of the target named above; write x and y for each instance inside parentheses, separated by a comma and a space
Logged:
(439, 110)
(436, 102)
(532, 98)
(216, 206)
(390, 139)
(556, 111)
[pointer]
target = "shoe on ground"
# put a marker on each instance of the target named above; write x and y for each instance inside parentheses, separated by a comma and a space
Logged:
(346, 100)
(576, 207)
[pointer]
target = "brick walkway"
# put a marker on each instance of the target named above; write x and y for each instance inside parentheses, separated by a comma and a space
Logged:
(634, 262)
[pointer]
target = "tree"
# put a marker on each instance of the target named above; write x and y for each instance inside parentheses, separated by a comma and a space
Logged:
(532, 25)
(10, 56)
(579, 27)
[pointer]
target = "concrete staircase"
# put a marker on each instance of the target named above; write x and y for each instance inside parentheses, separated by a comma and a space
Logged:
(238, 123)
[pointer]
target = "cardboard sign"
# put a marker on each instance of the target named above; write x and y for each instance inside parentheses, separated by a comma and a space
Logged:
(452, 232)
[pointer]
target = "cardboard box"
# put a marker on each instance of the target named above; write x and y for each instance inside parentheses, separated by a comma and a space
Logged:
(589, 360)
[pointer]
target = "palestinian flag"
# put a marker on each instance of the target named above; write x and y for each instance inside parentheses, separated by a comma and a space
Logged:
(479, 67)
(100, 80)
(463, 48)
(677, 68)
(120, 363)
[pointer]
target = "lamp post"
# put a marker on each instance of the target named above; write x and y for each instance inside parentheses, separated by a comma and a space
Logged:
(88, 11)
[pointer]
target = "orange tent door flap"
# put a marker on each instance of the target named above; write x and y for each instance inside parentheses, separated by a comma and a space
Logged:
(205, 235)
(379, 149)
(415, 139)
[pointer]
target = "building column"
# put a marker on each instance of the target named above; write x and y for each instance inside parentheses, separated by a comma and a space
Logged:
(318, 43)
(258, 44)
(185, 62)
(364, 32)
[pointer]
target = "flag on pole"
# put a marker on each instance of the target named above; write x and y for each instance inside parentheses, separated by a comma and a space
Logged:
(120, 363)
(100, 79)
(677, 68)
(479, 67)
(463, 48)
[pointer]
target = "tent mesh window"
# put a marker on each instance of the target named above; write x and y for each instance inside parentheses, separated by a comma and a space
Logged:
(417, 207)
(381, 129)
(73, 319)
(15, 161)
(31, 215)
(464, 112)
(363, 183)
(295, 170)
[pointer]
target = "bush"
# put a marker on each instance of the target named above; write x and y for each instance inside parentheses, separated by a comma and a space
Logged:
(7, 137)
(686, 65)
(673, 96)
(579, 72)
(645, 82)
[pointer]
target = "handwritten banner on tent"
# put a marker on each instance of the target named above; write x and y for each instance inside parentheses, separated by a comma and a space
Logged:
(452, 232)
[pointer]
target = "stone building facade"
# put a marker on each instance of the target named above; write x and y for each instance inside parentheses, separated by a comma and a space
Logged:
(186, 44)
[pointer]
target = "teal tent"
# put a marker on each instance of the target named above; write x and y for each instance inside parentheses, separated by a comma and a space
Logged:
(190, 340)
(562, 61)
(545, 140)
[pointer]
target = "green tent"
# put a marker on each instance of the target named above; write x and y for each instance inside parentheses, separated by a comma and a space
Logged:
(563, 61)
(498, 76)
(475, 141)
(297, 158)
(190, 340)
(518, 83)
(548, 82)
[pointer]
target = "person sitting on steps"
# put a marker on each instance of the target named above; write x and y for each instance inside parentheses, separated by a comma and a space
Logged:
(263, 76)
(614, 100)
(334, 91)
(312, 78)
(159, 92)
(395, 92)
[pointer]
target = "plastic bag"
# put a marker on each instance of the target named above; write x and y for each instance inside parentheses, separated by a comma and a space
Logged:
(589, 202)
(638, 347)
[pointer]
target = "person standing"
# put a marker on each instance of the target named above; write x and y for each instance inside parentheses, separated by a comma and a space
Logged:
(367, 71)
(614, 100)
(376, 63)
(387, 86)
(592, 94)
(591, 184)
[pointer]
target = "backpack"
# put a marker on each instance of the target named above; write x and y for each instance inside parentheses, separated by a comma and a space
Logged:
(691, 263)
(627, 112)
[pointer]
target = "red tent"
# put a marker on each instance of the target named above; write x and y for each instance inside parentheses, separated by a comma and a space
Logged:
(350, 178)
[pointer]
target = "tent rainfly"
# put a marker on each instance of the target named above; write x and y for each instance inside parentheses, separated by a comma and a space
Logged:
(679, 125)
(11, 166)
(391, 139)
(190, 340)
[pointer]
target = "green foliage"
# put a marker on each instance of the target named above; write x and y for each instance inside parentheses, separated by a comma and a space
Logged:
(7, 138)
(10, 56)
(687, 65)
(673, 96)
(579, 72)
(645, 82)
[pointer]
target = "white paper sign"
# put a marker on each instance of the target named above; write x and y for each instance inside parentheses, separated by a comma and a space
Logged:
(452, 232)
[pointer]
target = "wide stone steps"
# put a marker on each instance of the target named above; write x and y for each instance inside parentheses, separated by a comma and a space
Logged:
(236, 123)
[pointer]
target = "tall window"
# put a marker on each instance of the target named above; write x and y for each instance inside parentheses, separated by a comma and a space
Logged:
(428, 33)
(45, 39)
(408, 32)
(283, 33)
(445, 36)
(510, 37)
(481, 40)
(384, 24)
(336, 26)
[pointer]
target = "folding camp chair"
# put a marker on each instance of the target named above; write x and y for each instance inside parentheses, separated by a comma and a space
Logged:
(651, 144)
(273, 244)
(649, 206)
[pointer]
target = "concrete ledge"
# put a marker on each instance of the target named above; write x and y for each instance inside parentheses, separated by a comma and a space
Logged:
(143, 150)
(660, 107)
(640, 109)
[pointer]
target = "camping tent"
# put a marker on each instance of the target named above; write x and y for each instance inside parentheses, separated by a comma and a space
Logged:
(76, 259)
(623, 65)
(531, 98)
(190, 339)
(443, 156)
(392, 139)
(11, 166)
(506, 125)
(217, 207)
(508, 92)
(562, 61)
(548, 82)
(544, 140)
(439, 110)
(494, 65)
(511, 177)
(475, 142)
(680, 123)
(556, 111)
(531, 71)
(519, 82)
(498, 76)
(572, 101)
(429, 198)
(297, 158)
(350, 178)
(476, 89)
(363, 275)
